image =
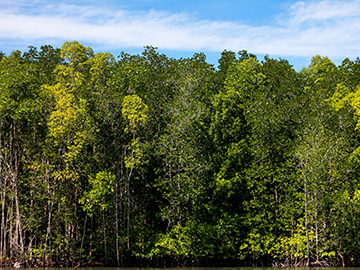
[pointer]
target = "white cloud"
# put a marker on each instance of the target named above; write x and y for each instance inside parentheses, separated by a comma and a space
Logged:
(329, 28)
(323, 11)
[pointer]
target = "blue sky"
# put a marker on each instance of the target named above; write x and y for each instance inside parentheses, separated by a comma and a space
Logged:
(290, 29)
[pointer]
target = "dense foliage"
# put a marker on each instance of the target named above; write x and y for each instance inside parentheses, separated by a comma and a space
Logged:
(153, 161)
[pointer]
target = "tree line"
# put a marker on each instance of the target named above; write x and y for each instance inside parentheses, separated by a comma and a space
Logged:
(145, 160)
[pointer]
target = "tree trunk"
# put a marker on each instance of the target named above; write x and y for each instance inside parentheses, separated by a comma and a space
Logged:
(104, 230)
(48, 231)
(11, 234)
(3, 227)
(58, 222)
(20, 242)
(2, 198)
(91, 232)
(82, 240)
(306, 219)
(117, 223)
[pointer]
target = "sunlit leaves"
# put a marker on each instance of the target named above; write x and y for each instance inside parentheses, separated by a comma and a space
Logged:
(76, 55)
(175, 243)
(101, 192)
(135, 112)
(69, 124)
(136, 155)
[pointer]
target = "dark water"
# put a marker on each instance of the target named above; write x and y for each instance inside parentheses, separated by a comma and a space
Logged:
(193, 268)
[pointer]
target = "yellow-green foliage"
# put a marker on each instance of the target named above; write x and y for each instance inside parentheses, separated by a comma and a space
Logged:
(174, 243)
(102, 191)
(76, 54)
(344, 97)
(68, 123)
(294, 246)
(135, 112)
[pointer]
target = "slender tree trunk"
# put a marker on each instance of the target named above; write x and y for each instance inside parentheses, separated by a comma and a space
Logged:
(58, 223)
(5, 229)
(117, 223)
(82, 240)
(117, 206)
(3, 226)
(31, 237)
(104, 230)
(128, 224)
(178, 210)
(128, 173)
(11, 234)
(316, 234)
(128, 176)
(143, 239)
(18, 222)
(2, 198)
(128, 213)
(306, 218)
(91, 232)
(66, 236)
(121, 199)
(48, 232)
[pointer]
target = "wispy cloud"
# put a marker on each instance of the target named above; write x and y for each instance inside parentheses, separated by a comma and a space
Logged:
(307, 28)
(323, 11)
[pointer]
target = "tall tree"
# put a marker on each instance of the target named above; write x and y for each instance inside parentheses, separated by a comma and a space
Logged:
(135, 113)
